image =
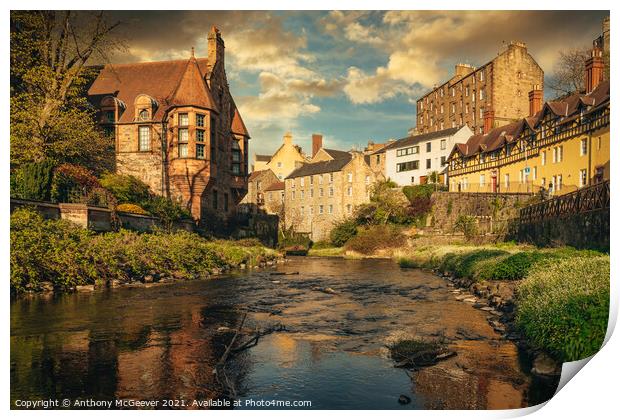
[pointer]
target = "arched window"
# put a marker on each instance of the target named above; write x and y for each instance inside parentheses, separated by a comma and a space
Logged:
(144, 115)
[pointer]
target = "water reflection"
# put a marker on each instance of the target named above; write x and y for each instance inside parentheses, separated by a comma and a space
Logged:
(162, 342)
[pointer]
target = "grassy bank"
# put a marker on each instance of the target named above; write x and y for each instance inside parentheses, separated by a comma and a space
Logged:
(562, 296)
(67, 255)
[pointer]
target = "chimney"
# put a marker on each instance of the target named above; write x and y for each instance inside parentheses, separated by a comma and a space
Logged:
(489, 116)
(215, 47)
(594, 69)
(536, 100)
(288, 138)
(317, 143)
(462, 69)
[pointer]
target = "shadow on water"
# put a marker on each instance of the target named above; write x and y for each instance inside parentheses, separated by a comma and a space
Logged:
(163, 342)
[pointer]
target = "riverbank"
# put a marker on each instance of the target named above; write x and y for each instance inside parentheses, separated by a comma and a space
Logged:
(58, 256)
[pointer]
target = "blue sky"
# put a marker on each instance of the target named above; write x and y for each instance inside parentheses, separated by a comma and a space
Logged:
(351, 76)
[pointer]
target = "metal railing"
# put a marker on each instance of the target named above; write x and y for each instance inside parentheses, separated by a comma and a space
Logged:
(587, 199)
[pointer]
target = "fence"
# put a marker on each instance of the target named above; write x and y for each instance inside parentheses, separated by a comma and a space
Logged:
(579, 219)
(526, 188)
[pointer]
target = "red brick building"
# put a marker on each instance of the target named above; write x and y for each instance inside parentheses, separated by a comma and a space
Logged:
(176, 127)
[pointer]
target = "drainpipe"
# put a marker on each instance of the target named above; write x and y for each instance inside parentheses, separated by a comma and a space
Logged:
(164, 156)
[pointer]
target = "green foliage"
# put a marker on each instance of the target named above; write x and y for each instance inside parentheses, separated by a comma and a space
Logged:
(418, 191)
(563, 306)
(467, 225)
(512, 267)
(33, 181)
(343, 231)
(387, 205)
(76, 184)
(465, 264)
(405, 262)
(67, 255)
(167, 211)
(50, 114)
(449, 207)
(126, 188)
(373, 238)
(291, 240)
(131, 208)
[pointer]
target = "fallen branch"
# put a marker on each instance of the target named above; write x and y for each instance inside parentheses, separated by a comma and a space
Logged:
(253, 341)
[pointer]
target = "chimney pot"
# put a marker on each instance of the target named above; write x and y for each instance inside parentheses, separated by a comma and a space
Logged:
(489, 116)
(594, 69)
(536, 100)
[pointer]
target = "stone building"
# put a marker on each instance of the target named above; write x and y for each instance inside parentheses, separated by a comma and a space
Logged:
(410, 160)
(563, 145)
(176, 127)
(254, 200)
(288, 157)
(498, 88)
(326, 190)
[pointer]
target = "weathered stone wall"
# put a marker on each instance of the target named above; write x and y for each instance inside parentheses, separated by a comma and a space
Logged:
(493, 211)
(47, 210)
(585, 230)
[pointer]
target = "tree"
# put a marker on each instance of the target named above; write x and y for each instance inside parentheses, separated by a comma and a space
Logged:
(51, 57)
(569, 71)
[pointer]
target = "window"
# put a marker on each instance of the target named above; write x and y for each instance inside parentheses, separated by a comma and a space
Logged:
(320, 192)
(466, 90)
(320, 178)
(225, 202)
(481, 94)
(311, 179)
(183, 139)
(583, 178)
(443, 160)
(301, 210)
(321, 209)
(481, 76)
(200, 120)
(378, 159)
(408, 166)
(543, 158)
(214, 203)
(331, 191)
(311, 193)
(481, 112)
(200, 136)
(109, 116)
(349, 208)
(311, 210)
(442, 144)
(350, 191)
(144, 138)
(482, 180)
(109, 131)
(330, 209)
(507, 181)
(144, 115)
(367, 180)
(428, 164)
(183, 120)
(331, 177)
(534, 172)
(349, 177)
(559, 182)
(213, 140)
(200, 152)
(301, 181)
(584, 147)
(292, 195)
(279, 164)
(301, 194)
(412, 180)
(428, 147)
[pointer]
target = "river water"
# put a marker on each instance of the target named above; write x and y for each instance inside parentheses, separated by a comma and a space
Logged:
(162, 342)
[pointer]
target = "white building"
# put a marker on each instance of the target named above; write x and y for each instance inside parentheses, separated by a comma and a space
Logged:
(410, 160)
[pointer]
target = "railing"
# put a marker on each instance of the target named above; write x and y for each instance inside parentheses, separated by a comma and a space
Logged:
(584, 200)
(501, 187)
(600, 120)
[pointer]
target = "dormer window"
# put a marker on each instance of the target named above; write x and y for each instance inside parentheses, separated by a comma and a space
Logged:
(144, 115)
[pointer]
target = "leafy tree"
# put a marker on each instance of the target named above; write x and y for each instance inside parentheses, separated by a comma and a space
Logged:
(343, 231)
(33, 181)
(167, 211)
(126, 188)
(51, 57)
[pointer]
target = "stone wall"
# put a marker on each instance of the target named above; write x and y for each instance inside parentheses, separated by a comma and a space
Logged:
(585, 230)
(261, 226)
(493, 211)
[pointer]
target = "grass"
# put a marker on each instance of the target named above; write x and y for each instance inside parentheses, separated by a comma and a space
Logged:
(563, 306)
(326, 252)
(67, 255)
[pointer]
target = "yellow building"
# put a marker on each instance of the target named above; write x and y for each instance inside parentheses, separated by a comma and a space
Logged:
(288, 157)
(564, 145)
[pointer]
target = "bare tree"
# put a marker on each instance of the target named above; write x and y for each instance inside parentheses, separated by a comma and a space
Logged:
(569, 71)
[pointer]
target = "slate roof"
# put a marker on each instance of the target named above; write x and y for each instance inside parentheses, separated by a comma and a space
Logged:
(262, 158)
(408, 141)
(338, 154)
(322, 167)
(276, 186)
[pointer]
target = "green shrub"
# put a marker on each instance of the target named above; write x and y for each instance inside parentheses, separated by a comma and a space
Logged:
(76, 184)
(563, 306)
(373, 238)
(466, 264)
(467, 225)
(167, 211)
(418, 191)
(512, 267)
(126, 188)
(67, 255)
(405, 262)
(33, 181)
(293, 240)
(343, 231)
(131, 208)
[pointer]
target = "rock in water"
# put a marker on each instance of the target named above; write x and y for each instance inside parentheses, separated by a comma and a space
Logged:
(545, 366)
(404, 400)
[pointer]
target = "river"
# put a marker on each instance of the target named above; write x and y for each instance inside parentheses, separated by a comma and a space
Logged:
(162, 342)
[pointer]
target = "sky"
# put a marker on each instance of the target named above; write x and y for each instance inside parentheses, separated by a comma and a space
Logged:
(351, 76)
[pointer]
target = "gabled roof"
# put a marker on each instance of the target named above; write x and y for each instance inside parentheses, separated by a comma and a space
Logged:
(256, 174)
(337, 154)
(158, 79)
(411, 140)
(321, 167)
(276, 186)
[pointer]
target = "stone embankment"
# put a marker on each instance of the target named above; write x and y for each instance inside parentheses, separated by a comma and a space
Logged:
(153, 278)
(497, 299)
